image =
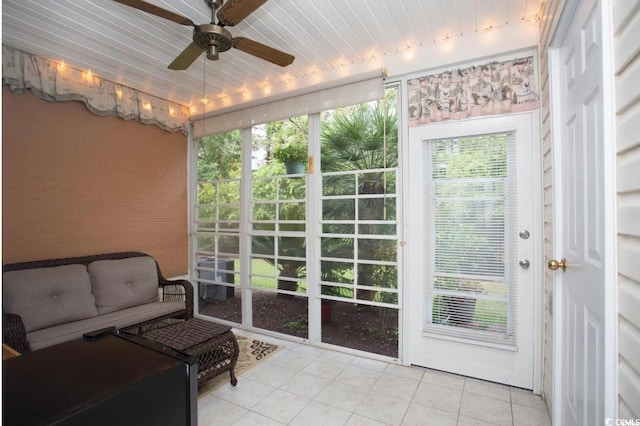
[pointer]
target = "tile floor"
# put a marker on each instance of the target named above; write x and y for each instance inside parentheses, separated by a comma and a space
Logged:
(306, 386)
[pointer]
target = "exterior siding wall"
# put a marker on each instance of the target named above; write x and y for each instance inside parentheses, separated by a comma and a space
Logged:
(549, 15)
(626, 22)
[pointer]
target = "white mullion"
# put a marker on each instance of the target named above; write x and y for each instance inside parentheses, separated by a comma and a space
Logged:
(314, 230)
(276, 233)
(246, 214)
(509, 244)
(356, 231)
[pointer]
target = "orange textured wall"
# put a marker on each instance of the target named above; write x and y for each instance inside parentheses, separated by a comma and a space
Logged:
(75, 184)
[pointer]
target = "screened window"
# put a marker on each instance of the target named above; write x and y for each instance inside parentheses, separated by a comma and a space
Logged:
(217, 232)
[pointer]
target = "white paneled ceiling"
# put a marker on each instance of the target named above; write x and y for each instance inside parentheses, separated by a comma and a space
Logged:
(125, 45)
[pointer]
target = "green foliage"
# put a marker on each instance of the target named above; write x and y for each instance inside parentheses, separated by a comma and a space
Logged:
(291, 153)
(219, 156)
(355, 137)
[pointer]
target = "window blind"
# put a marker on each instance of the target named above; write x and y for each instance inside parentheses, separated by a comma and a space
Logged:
(340, 93)
(471, 289)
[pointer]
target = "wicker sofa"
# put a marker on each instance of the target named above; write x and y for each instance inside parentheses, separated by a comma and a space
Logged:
(51, 301)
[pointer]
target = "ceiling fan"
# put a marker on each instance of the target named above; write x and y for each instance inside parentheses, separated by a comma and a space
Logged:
(213, 38)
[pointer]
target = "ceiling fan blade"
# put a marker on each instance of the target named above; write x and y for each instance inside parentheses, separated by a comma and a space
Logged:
(157, 11)
(262, 51)
(186, 58)
(234, 11)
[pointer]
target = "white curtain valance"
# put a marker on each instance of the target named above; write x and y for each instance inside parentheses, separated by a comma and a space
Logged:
(50, 81)
(340, 93)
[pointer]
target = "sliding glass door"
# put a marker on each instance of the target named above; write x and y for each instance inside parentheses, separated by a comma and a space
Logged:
(358, 226)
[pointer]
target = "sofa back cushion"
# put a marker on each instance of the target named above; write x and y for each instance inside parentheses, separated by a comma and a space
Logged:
(122, 283)
(48, 296)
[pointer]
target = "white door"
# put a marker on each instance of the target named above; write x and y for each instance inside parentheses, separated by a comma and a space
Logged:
(581, 207)
(473, 251)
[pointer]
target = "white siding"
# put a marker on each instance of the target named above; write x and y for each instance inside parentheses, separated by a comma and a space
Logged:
(549, 13)
(626, 20)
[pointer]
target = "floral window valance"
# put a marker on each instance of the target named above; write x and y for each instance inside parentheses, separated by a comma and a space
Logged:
(493, 88)
(51, 81)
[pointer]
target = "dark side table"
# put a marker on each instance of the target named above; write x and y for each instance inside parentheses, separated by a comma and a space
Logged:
(112, 380)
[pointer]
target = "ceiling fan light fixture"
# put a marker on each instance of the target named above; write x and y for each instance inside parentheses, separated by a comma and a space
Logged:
(212, 53)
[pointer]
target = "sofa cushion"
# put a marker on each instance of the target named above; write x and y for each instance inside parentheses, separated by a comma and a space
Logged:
(122, 283)
(44, 297)
(120, 319)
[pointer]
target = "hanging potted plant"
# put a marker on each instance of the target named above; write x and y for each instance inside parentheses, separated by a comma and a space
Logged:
(293, 155)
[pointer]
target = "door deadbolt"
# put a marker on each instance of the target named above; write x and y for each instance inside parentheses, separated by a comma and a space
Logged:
(524, 263)
(524, 234)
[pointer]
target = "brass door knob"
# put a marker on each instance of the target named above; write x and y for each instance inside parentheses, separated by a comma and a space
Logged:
(554, 264)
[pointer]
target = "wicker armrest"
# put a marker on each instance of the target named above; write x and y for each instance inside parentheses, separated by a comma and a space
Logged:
(178, 290)
(13, 332)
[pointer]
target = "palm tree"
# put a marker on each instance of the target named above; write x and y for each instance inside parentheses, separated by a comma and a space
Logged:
(361, 137)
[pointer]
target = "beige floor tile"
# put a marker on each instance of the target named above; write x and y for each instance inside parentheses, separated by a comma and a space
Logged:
(486, 408)
(492, 390)
(305, 384)
(443, 379)
(468, 421)
(291, 359)
(358, 376)
(358, 420)
(319, 414)
(530, 416)
(371, 364)
(215, 411)
(386, 409)
(420, 415)
(440, 397)
(395, 386)
(408, 372)
(309, 350)
(247, 393)
(339, 357)
(281, 406)
(342, 396)
(272, 374)
(324, 368)
(523, 397)
(254, 419)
